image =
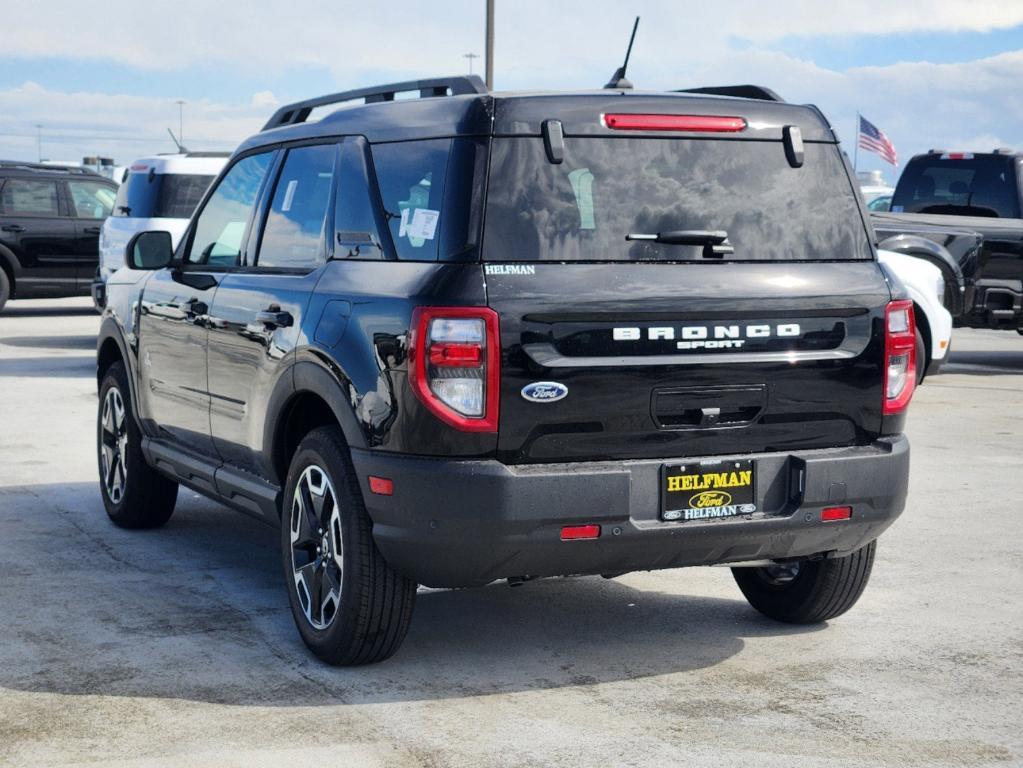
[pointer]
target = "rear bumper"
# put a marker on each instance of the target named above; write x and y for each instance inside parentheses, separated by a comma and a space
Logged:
(454, 523)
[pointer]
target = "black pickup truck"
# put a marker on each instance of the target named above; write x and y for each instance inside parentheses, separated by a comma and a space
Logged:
(969, 205)
(474, 336)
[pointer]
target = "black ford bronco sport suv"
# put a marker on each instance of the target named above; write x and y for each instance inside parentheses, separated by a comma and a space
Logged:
(469, 336)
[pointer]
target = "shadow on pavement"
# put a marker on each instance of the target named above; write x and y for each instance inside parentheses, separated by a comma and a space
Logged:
(46, 311)
(87, 341)
(986, 363)
(197, 611)
(48, 367)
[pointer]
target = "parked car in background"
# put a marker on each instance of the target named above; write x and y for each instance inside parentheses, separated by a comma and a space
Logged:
(873, 185)
(50, 219)
(972, 202)
(880, 204)
(158, 192)
(926, 287)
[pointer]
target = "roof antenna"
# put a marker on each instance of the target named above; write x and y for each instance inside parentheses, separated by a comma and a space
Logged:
(181, 147)
(618, 78)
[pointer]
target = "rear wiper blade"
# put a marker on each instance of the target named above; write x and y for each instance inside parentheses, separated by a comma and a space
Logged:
(715, 242)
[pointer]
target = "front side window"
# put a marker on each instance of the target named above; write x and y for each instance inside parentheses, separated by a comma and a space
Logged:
(293, 234)
(220, 229)
(28, 197)
(91, 200)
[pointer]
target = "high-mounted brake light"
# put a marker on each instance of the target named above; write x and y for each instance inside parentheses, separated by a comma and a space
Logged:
(694, 123)
(455, 365)
(900, 356)
(957, 156)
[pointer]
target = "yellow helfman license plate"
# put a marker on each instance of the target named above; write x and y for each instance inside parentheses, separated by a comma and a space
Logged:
(704, 491)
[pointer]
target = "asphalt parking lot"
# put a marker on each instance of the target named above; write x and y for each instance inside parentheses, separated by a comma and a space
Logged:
(177, 645)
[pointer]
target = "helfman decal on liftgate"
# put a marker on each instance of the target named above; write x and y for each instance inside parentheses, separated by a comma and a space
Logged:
(707, 337)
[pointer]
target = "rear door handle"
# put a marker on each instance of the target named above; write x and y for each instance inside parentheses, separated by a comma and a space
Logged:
(275, 318)
(12, 228)
(91, 230)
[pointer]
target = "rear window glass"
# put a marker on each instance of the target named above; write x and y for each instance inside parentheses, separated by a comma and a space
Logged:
(982, 185)
(160, 195)
(427, 191)
(583, 208)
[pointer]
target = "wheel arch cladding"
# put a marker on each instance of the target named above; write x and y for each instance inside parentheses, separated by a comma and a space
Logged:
(315, 401)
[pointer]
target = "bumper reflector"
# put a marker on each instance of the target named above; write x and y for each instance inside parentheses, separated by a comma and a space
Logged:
(829, 514)
(381, 486)
(572, 532)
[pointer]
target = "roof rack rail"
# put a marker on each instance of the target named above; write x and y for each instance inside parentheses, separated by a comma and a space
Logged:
(53, 167)
(292, 114)
(740, 91)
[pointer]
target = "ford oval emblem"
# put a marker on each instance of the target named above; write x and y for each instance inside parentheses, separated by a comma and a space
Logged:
(544, 392)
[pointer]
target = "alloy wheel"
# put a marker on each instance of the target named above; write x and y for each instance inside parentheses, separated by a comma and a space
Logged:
(114, 445)
(317, 553)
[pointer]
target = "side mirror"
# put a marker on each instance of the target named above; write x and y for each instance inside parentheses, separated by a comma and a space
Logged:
(149, 250)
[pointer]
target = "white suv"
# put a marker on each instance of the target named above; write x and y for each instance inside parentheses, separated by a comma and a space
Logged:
(158, 192)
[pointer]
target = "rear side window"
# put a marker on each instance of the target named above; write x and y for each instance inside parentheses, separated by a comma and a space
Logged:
(607, 188)
(220, 228)
(29, 197)
(293, 234)
(358, 221)
(91, 200)
(145, 195)
(427, 191)
(978, 185)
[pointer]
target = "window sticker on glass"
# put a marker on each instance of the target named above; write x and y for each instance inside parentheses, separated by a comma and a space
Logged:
(418, 197)
(289, 195)
(424, 224)
(403, 225)
(582, 188)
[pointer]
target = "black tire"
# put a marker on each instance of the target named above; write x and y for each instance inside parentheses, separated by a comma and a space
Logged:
(819, 589)
(140, 497)
(921, 358)
(369, 617)
(5, 289)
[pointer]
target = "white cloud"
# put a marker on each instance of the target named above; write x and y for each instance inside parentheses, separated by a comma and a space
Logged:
(124, 127)
(264, 100)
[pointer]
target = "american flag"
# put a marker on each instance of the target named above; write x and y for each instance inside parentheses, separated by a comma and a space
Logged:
(872, 139)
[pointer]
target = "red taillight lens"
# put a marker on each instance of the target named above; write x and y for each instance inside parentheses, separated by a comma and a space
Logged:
(696, 123)
(900, 356)
(455, 365)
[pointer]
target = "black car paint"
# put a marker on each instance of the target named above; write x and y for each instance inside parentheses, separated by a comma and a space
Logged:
(48, 256)
(214, 404)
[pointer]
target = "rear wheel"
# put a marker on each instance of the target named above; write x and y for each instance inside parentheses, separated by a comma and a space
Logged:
(349, 605)
(5, 289)
(135, 495)
(807, 591)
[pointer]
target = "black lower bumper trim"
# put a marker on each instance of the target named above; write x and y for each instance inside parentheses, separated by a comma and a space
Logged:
(456, 523)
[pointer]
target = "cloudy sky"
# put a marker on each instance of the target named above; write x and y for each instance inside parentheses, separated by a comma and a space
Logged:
(104, 79)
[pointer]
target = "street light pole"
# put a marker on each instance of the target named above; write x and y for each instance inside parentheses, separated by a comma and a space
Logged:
(470, 57)
(39, 141)
(181, 122)
(490, 45)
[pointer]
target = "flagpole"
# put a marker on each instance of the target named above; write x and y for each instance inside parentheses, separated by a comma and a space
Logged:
(856, 150)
